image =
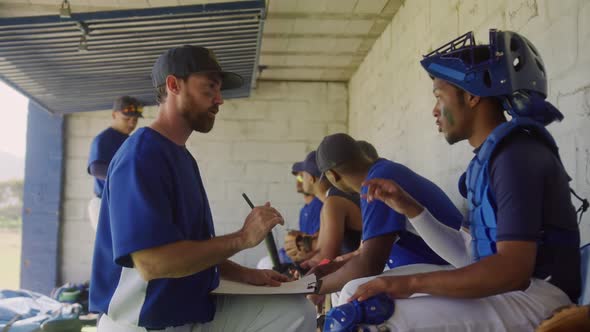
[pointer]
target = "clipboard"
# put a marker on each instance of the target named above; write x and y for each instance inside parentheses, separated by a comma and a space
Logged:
(306, 285)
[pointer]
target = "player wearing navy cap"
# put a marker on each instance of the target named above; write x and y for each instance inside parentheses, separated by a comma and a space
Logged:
(156, 257)
(309, 215)
(340, 222)
(309, 220)
(126, 111)
(350, 238)
(524, 238)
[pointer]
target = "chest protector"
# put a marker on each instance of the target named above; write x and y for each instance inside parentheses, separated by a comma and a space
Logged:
(481, 200)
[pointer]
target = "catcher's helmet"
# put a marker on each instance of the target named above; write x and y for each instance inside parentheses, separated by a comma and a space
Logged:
(509, 68)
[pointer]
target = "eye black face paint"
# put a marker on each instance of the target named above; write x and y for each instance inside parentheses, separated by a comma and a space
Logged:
(449, 116)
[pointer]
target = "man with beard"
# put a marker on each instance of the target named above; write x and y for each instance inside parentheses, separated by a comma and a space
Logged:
(341, 225)
(313, 210)
(309, 216)
(301, 246)
(156, 257)
(126, 111)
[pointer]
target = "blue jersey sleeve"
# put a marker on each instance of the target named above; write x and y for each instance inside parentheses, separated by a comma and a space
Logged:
(98, 169)
(517, 180)
(140, 206)
(99, 151)
(378, 218)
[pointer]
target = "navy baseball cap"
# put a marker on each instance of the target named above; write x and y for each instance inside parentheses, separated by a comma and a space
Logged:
(336, 149)
(310, 166)
(129, 106)
(188, 59)
(297, 167)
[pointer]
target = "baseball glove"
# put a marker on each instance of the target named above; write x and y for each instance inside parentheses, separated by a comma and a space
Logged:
(567, 319)
(298, 245)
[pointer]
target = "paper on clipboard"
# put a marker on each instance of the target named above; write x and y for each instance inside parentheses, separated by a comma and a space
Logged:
(305, 285)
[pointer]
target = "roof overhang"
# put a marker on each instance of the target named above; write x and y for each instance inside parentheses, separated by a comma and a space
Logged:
(83, 62)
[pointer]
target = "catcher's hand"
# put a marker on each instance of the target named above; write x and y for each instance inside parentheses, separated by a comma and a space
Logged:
(572, 318)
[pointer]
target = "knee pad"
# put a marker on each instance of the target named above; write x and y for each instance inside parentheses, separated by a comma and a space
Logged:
(345, 318)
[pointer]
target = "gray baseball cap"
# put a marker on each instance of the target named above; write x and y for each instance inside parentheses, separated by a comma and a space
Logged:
(188, 59)
(336, 149)
(368, 149)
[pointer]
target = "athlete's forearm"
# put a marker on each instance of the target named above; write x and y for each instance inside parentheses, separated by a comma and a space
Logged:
(492, 275)
(356, 267)
(346, 257)
(231, 270)
(369, 262)
(447, 242)
(329, 249)
(184, 258)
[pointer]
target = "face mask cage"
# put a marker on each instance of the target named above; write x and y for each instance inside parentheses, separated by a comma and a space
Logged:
(465, 49)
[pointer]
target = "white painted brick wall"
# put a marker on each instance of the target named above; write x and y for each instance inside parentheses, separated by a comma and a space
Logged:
(251, 149)
(391, 99)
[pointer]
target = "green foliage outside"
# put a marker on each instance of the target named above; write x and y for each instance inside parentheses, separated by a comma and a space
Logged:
(11, 202)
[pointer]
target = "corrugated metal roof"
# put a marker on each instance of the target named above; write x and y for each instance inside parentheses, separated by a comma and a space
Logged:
(43, 56)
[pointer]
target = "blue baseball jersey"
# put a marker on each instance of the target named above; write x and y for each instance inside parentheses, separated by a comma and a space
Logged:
(153, 196)
(103, 149)
(379, 219)
(309, 216)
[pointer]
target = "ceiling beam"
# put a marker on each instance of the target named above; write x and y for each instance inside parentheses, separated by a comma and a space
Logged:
(327, 53)
(326, 16)
(322, 35)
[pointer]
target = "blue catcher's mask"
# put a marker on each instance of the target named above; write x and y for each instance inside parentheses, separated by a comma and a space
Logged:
(509, 68)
